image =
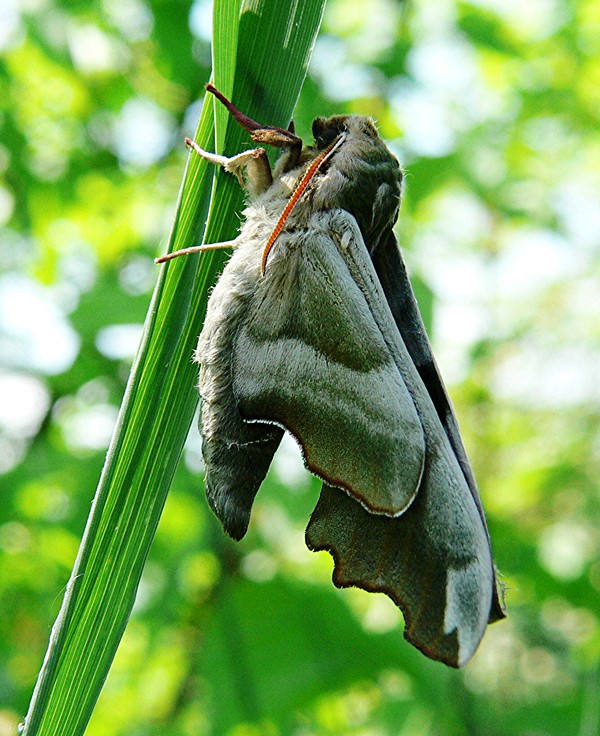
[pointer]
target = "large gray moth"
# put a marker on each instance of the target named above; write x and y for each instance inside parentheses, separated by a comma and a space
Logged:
(313, 328)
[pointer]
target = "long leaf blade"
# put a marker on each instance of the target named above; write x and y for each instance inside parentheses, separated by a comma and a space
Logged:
(160, 398)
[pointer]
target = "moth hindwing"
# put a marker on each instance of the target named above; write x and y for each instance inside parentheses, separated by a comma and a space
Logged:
(313, 328)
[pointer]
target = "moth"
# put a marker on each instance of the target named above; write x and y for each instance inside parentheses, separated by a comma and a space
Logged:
(313, 328)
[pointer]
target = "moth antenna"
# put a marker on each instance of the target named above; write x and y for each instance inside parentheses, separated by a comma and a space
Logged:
(297, 193)
(196, 249)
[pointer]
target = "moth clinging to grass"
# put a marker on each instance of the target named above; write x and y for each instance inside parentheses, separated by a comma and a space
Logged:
(313, 328)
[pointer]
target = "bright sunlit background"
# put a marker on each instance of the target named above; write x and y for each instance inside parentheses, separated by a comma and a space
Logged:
(493, 109)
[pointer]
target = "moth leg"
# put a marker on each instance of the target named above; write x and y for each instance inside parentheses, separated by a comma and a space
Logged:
(255, 163)
(271, 135)
(197, 249)
(284, 139)
(257, 167)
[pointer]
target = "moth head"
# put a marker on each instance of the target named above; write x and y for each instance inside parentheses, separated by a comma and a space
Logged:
(326, 130)
(363, 177)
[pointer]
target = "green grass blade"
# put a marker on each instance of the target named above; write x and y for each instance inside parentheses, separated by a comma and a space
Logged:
(250, 41)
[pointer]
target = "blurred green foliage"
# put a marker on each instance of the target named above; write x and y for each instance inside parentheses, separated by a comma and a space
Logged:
(493, 108)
